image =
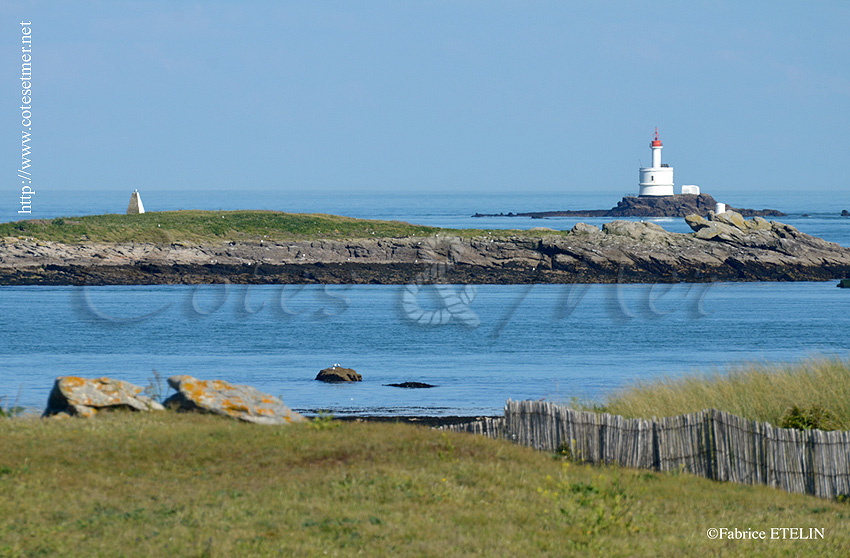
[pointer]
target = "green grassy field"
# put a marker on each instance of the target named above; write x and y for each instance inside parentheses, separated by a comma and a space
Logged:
(819, 387)
(192, 485)
(215, 226)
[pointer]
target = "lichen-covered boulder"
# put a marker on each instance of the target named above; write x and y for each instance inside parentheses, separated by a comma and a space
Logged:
(584, 228)
(83, 397)
(648, 233)
(724, 227)
(732, 218)
(336, 374)
(229, 400)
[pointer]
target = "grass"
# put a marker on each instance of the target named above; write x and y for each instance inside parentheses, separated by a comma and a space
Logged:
(192, 485)
(197, 227)
(6, 411)
(766, 392)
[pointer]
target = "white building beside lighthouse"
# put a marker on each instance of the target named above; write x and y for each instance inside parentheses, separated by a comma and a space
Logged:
(656, 180)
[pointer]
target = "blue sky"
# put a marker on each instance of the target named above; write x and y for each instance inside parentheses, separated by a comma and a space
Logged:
(431, 96)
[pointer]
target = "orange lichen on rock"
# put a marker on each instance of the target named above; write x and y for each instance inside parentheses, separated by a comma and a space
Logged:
(83, 397)
(71, 381)
(231, 400)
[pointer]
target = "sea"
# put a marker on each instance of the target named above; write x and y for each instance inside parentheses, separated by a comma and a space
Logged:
(553, 342)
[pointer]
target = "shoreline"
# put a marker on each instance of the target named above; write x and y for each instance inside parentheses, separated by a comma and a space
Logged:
(420, 420)
(431, 421)
(724, 247)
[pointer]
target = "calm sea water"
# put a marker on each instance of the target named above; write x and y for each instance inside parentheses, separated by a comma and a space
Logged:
(545, 341)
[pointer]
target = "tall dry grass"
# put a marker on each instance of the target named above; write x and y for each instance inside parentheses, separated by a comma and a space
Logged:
(758, 391)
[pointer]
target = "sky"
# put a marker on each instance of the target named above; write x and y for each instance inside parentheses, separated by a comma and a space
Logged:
(454, 96)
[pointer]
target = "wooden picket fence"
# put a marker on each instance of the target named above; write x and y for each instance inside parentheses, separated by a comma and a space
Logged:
(710, 443)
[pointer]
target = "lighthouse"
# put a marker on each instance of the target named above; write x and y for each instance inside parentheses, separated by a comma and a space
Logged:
(656, 180)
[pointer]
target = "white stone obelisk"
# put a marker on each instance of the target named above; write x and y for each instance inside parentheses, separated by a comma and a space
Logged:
(136, 205)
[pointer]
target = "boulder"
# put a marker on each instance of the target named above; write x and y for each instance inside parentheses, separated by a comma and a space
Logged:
(584, 228)
(729, 226)
(646, 232)
(731, 218)
(229, 400)
(696, 222)
(83, 397)
(336, 374)
(845, 213)
(759, 224)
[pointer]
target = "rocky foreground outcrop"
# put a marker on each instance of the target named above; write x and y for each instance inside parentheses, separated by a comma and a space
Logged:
(85, 397)
(723, 247)
(230, 400)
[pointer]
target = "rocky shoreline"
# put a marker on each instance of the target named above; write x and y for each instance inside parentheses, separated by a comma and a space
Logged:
(723, 247)
(73, 396)
(679, 205)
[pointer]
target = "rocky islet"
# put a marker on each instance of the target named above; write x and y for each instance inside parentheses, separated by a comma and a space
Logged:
(679, 205)
(723, 247)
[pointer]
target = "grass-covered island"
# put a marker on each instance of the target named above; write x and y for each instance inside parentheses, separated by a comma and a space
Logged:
(160, 484)
(274, 247)
(210, 227)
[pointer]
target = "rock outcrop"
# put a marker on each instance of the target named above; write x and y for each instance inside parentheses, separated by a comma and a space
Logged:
(725, 247)
(83, 397)
(679, 205)
(230, 400)
(337, 374)
(411, 385)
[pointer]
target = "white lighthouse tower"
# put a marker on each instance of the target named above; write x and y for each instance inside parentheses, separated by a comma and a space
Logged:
(656, 180)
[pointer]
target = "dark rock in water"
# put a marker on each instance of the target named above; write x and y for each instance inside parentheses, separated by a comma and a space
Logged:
(845, 213)
(336, 374)
(412, 385)
(844, 284)
(679, 205)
